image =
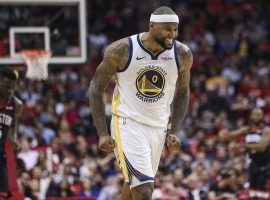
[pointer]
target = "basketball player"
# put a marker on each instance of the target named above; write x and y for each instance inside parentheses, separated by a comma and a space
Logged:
(257, 144)
(10, 109)
(152, 72)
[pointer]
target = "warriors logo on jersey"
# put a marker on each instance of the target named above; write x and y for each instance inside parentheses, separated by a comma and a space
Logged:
(150, 84)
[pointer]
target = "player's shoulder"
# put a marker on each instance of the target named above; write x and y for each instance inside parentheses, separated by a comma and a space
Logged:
(118, 47)
(184, 54)
(182, 48)
(118, 53)
(266, 129)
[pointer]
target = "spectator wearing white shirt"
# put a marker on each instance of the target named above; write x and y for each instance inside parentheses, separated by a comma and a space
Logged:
(29, 157)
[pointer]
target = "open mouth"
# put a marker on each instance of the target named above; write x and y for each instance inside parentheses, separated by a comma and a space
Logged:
(169, 42)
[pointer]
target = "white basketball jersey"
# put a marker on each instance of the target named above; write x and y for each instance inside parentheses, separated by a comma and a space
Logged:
(145, 87)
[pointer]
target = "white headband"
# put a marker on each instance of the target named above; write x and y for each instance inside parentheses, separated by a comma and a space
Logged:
(164, 18)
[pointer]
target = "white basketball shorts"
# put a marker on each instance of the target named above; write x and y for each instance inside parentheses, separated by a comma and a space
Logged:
(138, 149)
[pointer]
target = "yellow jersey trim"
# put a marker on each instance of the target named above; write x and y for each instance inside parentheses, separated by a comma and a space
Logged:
(119, 148)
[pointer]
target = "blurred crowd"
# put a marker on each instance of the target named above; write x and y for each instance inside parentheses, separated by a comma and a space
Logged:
(230, 41)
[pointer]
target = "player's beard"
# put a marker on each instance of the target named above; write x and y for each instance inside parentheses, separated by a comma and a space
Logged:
(162, 43)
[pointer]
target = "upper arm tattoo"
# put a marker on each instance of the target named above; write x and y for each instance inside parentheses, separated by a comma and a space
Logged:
(115, 58)
(185, 55)
(186, 60)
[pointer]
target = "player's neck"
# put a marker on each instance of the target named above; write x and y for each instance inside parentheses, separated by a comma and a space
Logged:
(150, 44)
(256, 125)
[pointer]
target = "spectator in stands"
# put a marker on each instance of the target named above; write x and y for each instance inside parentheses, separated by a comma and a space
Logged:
(223, 188)
(30, 157)
(86, 189)
(195, 192)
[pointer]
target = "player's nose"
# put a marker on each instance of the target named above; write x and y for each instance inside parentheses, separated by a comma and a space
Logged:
(172, 35)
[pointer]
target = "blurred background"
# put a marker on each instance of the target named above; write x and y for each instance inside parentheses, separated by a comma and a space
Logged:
(230, 41)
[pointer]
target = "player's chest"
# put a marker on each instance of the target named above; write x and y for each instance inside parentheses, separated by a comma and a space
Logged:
(254, 137)
(6, 116)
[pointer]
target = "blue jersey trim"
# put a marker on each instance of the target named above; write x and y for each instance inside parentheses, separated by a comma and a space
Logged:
(176, 54)
(153, 56)
(147, 179)
(133, 172)
(130, 55)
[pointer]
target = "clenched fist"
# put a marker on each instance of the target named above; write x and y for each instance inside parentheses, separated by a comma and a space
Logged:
(106, 143)
(173, 143)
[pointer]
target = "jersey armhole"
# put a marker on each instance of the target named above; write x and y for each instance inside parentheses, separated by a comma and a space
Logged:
(176, 55)
(129, 57)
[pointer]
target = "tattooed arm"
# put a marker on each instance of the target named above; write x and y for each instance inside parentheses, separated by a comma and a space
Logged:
(179, 105)
(180, 101)
(115, 58)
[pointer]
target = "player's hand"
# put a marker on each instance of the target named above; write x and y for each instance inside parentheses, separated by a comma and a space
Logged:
(106, 143)
(173, 143)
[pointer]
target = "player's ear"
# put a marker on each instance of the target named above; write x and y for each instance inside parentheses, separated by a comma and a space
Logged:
(151, 25)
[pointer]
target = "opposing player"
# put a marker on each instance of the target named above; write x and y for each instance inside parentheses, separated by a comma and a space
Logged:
(10, 109)
(257, 144)
(152, 73)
